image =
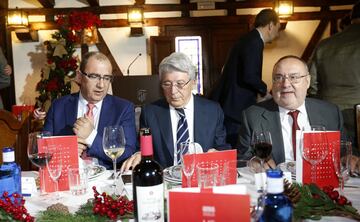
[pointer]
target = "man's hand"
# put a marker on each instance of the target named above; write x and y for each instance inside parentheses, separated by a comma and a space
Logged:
(131, 162)
(83, 127)
(211, 150)
(7, 70)
(39, 114)
(81, 145)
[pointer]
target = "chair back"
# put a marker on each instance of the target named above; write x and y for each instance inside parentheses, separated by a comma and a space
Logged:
(14, 133)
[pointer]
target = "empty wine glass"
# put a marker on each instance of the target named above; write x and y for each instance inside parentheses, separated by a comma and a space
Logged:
(54, 167)
(341, 156)
(38, 157)
(315, 149)
(187, 151)
(114, 146)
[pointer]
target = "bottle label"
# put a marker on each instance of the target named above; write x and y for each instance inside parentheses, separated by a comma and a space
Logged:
(150, 203)
(8, 157)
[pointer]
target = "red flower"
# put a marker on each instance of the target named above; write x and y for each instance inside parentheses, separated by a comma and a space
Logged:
(52, 85)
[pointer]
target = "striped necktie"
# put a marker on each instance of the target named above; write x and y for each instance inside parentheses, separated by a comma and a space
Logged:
(90, 112)
(182, 132)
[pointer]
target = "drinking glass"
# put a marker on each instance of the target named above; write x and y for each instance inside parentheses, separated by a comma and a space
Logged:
(262, 144)
(114, 145)
(341, 156)
(38, 158)
(316, 149)
(187, 151)
(54, 167)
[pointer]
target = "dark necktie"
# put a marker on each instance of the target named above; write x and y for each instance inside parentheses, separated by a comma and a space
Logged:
(294, 115)
(182, 133)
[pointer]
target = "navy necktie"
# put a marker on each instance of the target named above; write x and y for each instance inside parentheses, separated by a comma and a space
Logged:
(182, 133)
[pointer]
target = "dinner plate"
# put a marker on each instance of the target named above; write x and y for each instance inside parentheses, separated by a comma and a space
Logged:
(95, 171)
(173, 174)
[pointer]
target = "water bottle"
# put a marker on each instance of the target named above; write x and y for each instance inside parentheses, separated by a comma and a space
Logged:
(278, 207)
(10, 173)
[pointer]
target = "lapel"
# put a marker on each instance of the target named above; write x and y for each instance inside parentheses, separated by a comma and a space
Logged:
(315, 118)
(71, 109)
(272, 124)
(105, 114)
(199, 120)
(164, 123)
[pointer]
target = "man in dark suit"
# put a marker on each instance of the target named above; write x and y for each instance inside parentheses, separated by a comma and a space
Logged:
(204, 118)
(291, 80)
(241, 81)
(86, 113)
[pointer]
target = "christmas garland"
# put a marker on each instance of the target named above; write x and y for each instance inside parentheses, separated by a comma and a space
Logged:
(61, 64)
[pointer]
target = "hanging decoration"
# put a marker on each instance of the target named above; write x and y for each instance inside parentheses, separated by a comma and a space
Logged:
(61, 65)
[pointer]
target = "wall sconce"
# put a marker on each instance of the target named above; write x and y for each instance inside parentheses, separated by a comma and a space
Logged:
(17, 20)
(136, 20)
(284, 9)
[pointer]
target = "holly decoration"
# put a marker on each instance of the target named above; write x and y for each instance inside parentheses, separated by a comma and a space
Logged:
(12, 208)
(315, 203)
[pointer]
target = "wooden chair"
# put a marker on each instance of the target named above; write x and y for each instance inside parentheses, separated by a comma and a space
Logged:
(14, 133)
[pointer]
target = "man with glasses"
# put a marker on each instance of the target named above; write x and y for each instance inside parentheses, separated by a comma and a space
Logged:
(288, 110)
(180, 116)
(86, 113)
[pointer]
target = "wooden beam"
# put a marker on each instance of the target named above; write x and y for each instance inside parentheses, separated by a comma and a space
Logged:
(47, 3)
(93, 2)
(315, 38)
(102, 46)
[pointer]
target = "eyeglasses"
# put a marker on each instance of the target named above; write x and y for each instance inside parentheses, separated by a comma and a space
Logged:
(178, 84)
(293, 78)
(98, 77)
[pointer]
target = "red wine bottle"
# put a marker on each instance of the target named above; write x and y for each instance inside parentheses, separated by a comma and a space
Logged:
(148, 186)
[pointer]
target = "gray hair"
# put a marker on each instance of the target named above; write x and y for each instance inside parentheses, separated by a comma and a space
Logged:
(292, 57)
(179, 62)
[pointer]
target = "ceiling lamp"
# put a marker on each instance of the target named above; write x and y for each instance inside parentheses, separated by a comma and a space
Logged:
(17, 18)
(284, 8)
(136, 20)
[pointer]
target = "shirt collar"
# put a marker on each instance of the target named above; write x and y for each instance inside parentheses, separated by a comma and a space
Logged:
(84, 102)
(284, 112)
(189, 106)
(261, 36)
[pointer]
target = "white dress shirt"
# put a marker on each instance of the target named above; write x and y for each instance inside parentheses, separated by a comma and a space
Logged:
(82, 110)
(174, 117)
(286, 128)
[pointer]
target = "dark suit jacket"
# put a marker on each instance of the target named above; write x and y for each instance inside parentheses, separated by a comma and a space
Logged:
(114, 111)
(241, 81)
(265, 116)
(209, 131)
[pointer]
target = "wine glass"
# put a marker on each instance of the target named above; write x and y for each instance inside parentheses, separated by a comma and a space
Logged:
(114, 145)
(39, 157)
(187, 151)
(54, 167)
(341, 156)
(315, 149)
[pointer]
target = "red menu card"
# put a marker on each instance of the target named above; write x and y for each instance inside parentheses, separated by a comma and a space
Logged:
(18, 110)
(68, 155)
(325, 171)
(219, 157)
(208, 206)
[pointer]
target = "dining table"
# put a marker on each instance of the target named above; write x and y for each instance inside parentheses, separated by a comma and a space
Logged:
(37, 203)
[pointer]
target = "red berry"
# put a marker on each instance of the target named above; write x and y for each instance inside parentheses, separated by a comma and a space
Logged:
(334, 195)
(342, 200)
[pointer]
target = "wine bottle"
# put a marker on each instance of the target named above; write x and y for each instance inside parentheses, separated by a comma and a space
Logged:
(148, 186)
(10, 173)
(277, 206)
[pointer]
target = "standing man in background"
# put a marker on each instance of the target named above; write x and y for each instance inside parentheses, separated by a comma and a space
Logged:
(5, 72)
(335, 71)
(241, 82)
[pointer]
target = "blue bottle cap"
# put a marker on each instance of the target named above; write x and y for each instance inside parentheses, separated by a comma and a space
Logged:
(274, 173)
(8, 149)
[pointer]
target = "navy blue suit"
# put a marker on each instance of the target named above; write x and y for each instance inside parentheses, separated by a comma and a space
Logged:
(114, 111)
(240, 81)
(209, 130)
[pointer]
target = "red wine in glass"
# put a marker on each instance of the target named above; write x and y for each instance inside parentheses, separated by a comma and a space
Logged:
(263, 150)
